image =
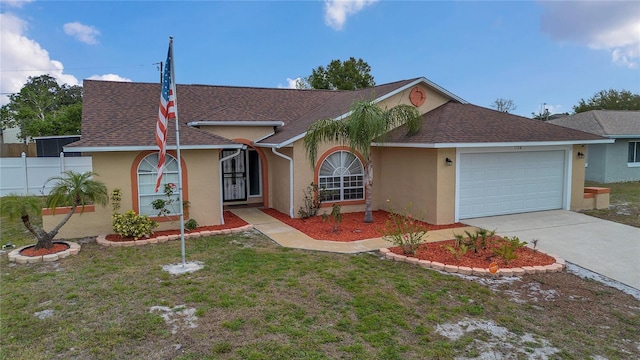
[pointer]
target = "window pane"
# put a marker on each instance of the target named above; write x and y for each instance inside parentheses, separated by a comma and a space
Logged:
(637, 158)
(147, 174)
(632, 152)
(342, 177)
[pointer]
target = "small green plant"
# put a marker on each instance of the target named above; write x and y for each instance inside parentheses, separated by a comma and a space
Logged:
(191, 224)
(506, 252)
(507, 249)
(116, 197)
(484, 236)
(459, 239)
(165, 206)
(312, 199)
(335, 215)
(515, 242)
(471, 241)
(403, 230)
(133, 225)
(457, 251)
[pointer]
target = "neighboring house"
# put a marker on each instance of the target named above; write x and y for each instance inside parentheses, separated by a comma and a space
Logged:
(243, 146)
(616, 162)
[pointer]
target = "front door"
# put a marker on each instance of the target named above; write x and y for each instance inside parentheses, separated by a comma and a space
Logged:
(234, 177)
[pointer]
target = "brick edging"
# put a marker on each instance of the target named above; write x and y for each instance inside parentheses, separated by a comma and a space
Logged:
(558, 266)
(14, 255)
(102, 239)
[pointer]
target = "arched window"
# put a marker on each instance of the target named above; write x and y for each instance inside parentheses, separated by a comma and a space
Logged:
(341, 175)
(147, 174)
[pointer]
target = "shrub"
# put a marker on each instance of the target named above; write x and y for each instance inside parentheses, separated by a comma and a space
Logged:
(133, 225)
(191, 224)
(404, 231)
(336, 215)
(312, 199)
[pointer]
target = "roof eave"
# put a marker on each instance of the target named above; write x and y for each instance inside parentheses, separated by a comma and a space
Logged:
(629, 136)
(145, 148)
(236, 123)
(492, 144)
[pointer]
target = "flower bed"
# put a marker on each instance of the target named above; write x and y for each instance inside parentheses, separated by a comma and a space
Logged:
(352, 227)
(27, 254)
(233, 224)
(231, 221)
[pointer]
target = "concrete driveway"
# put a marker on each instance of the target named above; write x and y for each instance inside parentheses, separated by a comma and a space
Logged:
(604, 247)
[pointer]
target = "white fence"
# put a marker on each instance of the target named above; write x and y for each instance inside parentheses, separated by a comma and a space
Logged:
(29, 175)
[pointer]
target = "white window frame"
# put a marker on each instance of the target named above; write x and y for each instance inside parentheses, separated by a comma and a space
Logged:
(259, 174)
(147, 173)
(345, 169)
(635, 157)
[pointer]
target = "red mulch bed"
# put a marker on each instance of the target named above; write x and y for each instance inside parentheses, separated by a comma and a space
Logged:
(437, 251)
(57, 247)
(352, 227)
(231, 221)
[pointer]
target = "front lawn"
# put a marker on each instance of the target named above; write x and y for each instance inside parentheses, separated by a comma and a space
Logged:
(256, 300)
(624, 203)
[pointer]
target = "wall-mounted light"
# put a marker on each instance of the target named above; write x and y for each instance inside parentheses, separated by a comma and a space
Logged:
(448, 161)
(580, 155)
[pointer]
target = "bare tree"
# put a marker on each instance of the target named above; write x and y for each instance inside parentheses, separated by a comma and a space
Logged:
(503, 105)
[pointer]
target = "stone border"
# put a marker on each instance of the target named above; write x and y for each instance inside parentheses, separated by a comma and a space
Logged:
(102, 239)
(14, 255)
(558, 266)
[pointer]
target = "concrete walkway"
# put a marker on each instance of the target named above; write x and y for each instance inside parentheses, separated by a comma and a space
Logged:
(604, 247)
(288, 236)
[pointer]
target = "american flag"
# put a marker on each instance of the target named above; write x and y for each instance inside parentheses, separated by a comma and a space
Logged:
(166, 112)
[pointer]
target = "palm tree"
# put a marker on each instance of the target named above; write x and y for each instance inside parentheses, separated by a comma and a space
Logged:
(72, 188)
(366, 122)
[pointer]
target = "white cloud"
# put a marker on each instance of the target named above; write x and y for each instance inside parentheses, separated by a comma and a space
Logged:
(22, 57)
(336, 11)
(109, 77)
(600, 25)
(291, 83)
(15, 3)
(85, 33)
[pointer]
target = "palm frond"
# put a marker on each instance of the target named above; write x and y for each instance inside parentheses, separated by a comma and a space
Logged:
(404, 115)
(76, 189)
(325, 130)
(14, 206)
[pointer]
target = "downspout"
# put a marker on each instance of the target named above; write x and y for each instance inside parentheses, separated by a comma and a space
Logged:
(221, 185)
(290, 179)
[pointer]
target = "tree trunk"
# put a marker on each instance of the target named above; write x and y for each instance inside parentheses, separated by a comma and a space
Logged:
(368, 186)
(45, 241)
(64, 220)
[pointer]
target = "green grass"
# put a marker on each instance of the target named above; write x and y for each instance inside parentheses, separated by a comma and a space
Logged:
(255, 300)
(624, 203)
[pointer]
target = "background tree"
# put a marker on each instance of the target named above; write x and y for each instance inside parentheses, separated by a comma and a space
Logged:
(503, 105)
(44, 108)
(609, 100)
(351, 74)
(72, 188)
(542, 115)
(366, 123)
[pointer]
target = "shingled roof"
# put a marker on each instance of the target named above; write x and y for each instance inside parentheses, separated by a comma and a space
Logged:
(616, 123)
(124, 114)
(454, 123)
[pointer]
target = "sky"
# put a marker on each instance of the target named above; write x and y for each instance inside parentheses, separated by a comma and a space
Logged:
(536, 53)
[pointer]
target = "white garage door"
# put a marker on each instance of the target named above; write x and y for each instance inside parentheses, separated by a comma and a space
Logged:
(509, 183)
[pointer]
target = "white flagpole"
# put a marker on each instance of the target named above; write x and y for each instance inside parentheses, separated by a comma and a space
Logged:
(175, 106)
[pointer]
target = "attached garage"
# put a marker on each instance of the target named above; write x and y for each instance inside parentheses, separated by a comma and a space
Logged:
(499, 183)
